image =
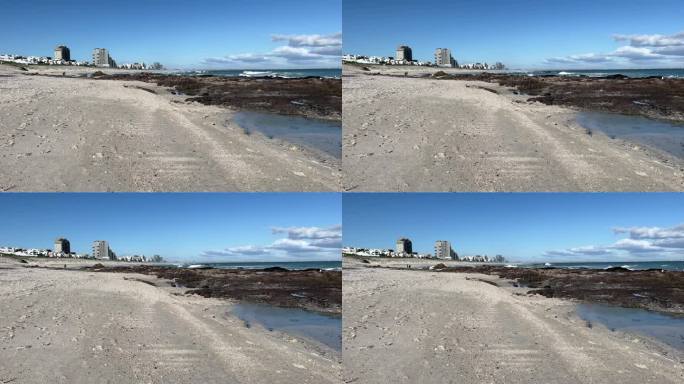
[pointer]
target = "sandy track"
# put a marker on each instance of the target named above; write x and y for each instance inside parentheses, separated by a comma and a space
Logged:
(411, 134)
(67, 134)
(412, 326)
(78, 327)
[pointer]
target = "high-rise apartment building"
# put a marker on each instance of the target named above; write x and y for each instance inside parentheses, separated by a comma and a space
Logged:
(101, 249)
(404, 53)
(101, 58)
(443, 250)
(62, 53)
(62, 246)
(404, 246)
(443, 58)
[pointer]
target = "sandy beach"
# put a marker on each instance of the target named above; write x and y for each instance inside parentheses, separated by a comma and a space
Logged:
(66, 326)
(60, 133)
(423, 134)
(416, 326)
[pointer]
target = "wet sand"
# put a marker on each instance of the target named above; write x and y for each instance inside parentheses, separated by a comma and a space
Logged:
(75, 134)
(406, 326)
(424, 134)
(65, 326)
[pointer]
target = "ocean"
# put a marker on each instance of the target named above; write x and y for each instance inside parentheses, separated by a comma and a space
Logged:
(633, 265)
(635, 73)
(333, 73)
(292, 265)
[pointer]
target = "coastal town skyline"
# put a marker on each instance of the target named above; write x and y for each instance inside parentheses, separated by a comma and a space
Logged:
(180, 227)
(523, 227)
(182, 34)
(538, 34)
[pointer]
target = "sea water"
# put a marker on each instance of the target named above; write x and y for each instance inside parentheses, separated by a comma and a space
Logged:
(633, 265)
(663, 135)
(291, 265)
(634, 73)
(322, 328)
(664, 328)
(332, 73)
(320, 135)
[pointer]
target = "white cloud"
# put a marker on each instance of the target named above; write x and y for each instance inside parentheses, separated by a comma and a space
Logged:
(642, 50)
(653, 232)
(300, 50)
(636, 53)
(300, 243)
(310, 40)
(640, 243)
(652, 40)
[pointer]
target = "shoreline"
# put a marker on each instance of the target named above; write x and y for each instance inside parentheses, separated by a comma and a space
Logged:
(653, 97)
(473, 135)
(311, 97)
(144, 329)
(311, 289)
(472, 327)
(653, 290)
(82, 134)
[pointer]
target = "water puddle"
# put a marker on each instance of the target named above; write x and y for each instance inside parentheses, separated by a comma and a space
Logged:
(321, 135)
(664, 328)
(325, 329)
(663, 135)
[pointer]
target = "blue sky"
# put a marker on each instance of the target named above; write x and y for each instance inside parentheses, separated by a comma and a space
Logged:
(523, 227)
(195, 226)
(524, 34)
(180, 33)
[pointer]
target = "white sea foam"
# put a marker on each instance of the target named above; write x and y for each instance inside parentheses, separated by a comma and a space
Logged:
(257, 74)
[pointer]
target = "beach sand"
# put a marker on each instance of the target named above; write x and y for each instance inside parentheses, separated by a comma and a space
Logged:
(420, 134)
(66, 326)
(74, 134)
(405, 326)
